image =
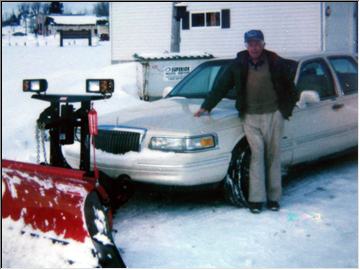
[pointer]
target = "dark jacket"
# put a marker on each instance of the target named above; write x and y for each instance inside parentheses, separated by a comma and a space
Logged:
(235, 75)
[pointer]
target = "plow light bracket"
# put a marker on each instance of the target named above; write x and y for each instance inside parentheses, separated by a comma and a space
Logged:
(102, 86)
(35, 85)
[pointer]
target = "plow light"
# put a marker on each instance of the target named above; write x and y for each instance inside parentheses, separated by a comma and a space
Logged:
(102, 86)
(35, 85)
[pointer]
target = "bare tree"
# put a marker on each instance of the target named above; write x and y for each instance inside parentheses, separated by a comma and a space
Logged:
(24, 12)
(4, 17)
(38, 11)
(45, 8)
(36, 8)
(23, 8)
(101, 9)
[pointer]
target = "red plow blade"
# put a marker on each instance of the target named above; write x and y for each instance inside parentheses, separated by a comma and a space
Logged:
(59, 201)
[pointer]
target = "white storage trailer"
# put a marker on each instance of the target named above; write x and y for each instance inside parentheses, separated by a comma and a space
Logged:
(159, 71)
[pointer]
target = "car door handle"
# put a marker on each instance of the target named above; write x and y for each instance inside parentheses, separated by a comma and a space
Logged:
(337, 106)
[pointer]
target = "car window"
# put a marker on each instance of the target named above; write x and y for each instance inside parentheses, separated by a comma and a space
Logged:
(346, 72)
(200, 81)
(315, 75)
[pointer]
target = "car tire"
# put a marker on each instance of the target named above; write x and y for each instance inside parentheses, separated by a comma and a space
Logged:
(119, 190)
(236, 182)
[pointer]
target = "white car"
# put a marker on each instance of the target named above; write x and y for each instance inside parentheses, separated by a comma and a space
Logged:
(163, 143)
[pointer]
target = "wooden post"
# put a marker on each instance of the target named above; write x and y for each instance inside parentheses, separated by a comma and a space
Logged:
(90, 38)
(61, 38)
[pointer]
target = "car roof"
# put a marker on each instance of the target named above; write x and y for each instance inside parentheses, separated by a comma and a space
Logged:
(296, 56)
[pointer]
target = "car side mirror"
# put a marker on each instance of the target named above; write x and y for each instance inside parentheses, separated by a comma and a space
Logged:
(166, 91)
(308, 97)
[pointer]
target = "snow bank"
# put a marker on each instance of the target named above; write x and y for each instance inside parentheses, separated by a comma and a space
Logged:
(66, 70)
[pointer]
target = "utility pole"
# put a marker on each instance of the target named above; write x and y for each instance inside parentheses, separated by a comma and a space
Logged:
(175, 30)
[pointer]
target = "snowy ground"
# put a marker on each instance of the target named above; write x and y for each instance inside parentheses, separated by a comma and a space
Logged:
(316, 227)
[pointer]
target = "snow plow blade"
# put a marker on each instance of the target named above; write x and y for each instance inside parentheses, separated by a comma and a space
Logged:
(61, 202)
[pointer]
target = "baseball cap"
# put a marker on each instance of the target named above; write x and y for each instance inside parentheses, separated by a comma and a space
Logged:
(253, 35)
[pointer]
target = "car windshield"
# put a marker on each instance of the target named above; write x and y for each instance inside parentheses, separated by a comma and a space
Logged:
(201, 81)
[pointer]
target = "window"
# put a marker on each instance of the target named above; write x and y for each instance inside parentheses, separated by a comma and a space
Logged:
(200, 82)
(206, 19)
(213, 19)
(197, 19)
(315, 75)
(346, 72)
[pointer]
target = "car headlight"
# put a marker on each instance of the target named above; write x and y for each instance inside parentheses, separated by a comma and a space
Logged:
(184, 144)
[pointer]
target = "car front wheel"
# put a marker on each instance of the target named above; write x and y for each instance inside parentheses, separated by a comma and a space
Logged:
(236, 182)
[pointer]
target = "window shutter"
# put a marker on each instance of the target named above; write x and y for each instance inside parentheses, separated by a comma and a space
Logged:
(186, 21)
(225, 18)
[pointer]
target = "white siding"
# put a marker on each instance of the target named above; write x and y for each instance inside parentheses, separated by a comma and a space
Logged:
(288, 27)
(340, 28)
(139, 27)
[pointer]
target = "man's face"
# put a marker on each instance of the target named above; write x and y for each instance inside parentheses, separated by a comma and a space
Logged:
(255, 48)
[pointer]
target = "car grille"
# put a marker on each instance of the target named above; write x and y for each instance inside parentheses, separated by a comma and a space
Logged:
(117, 141)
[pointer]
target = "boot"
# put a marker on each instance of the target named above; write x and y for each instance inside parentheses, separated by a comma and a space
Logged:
(255, 207)
(273, 205)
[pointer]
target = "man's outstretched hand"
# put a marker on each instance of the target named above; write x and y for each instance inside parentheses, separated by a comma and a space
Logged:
(200, 111)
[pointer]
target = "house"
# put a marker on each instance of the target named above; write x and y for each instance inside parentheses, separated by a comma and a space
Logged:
(218, 27)
(97, 25)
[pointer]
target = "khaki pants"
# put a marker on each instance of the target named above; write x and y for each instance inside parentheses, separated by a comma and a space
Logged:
(264, 132)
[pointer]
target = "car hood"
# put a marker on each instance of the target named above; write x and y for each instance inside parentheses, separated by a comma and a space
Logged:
(174, 114)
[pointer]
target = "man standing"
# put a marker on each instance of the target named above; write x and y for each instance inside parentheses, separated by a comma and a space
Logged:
(266, 95)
